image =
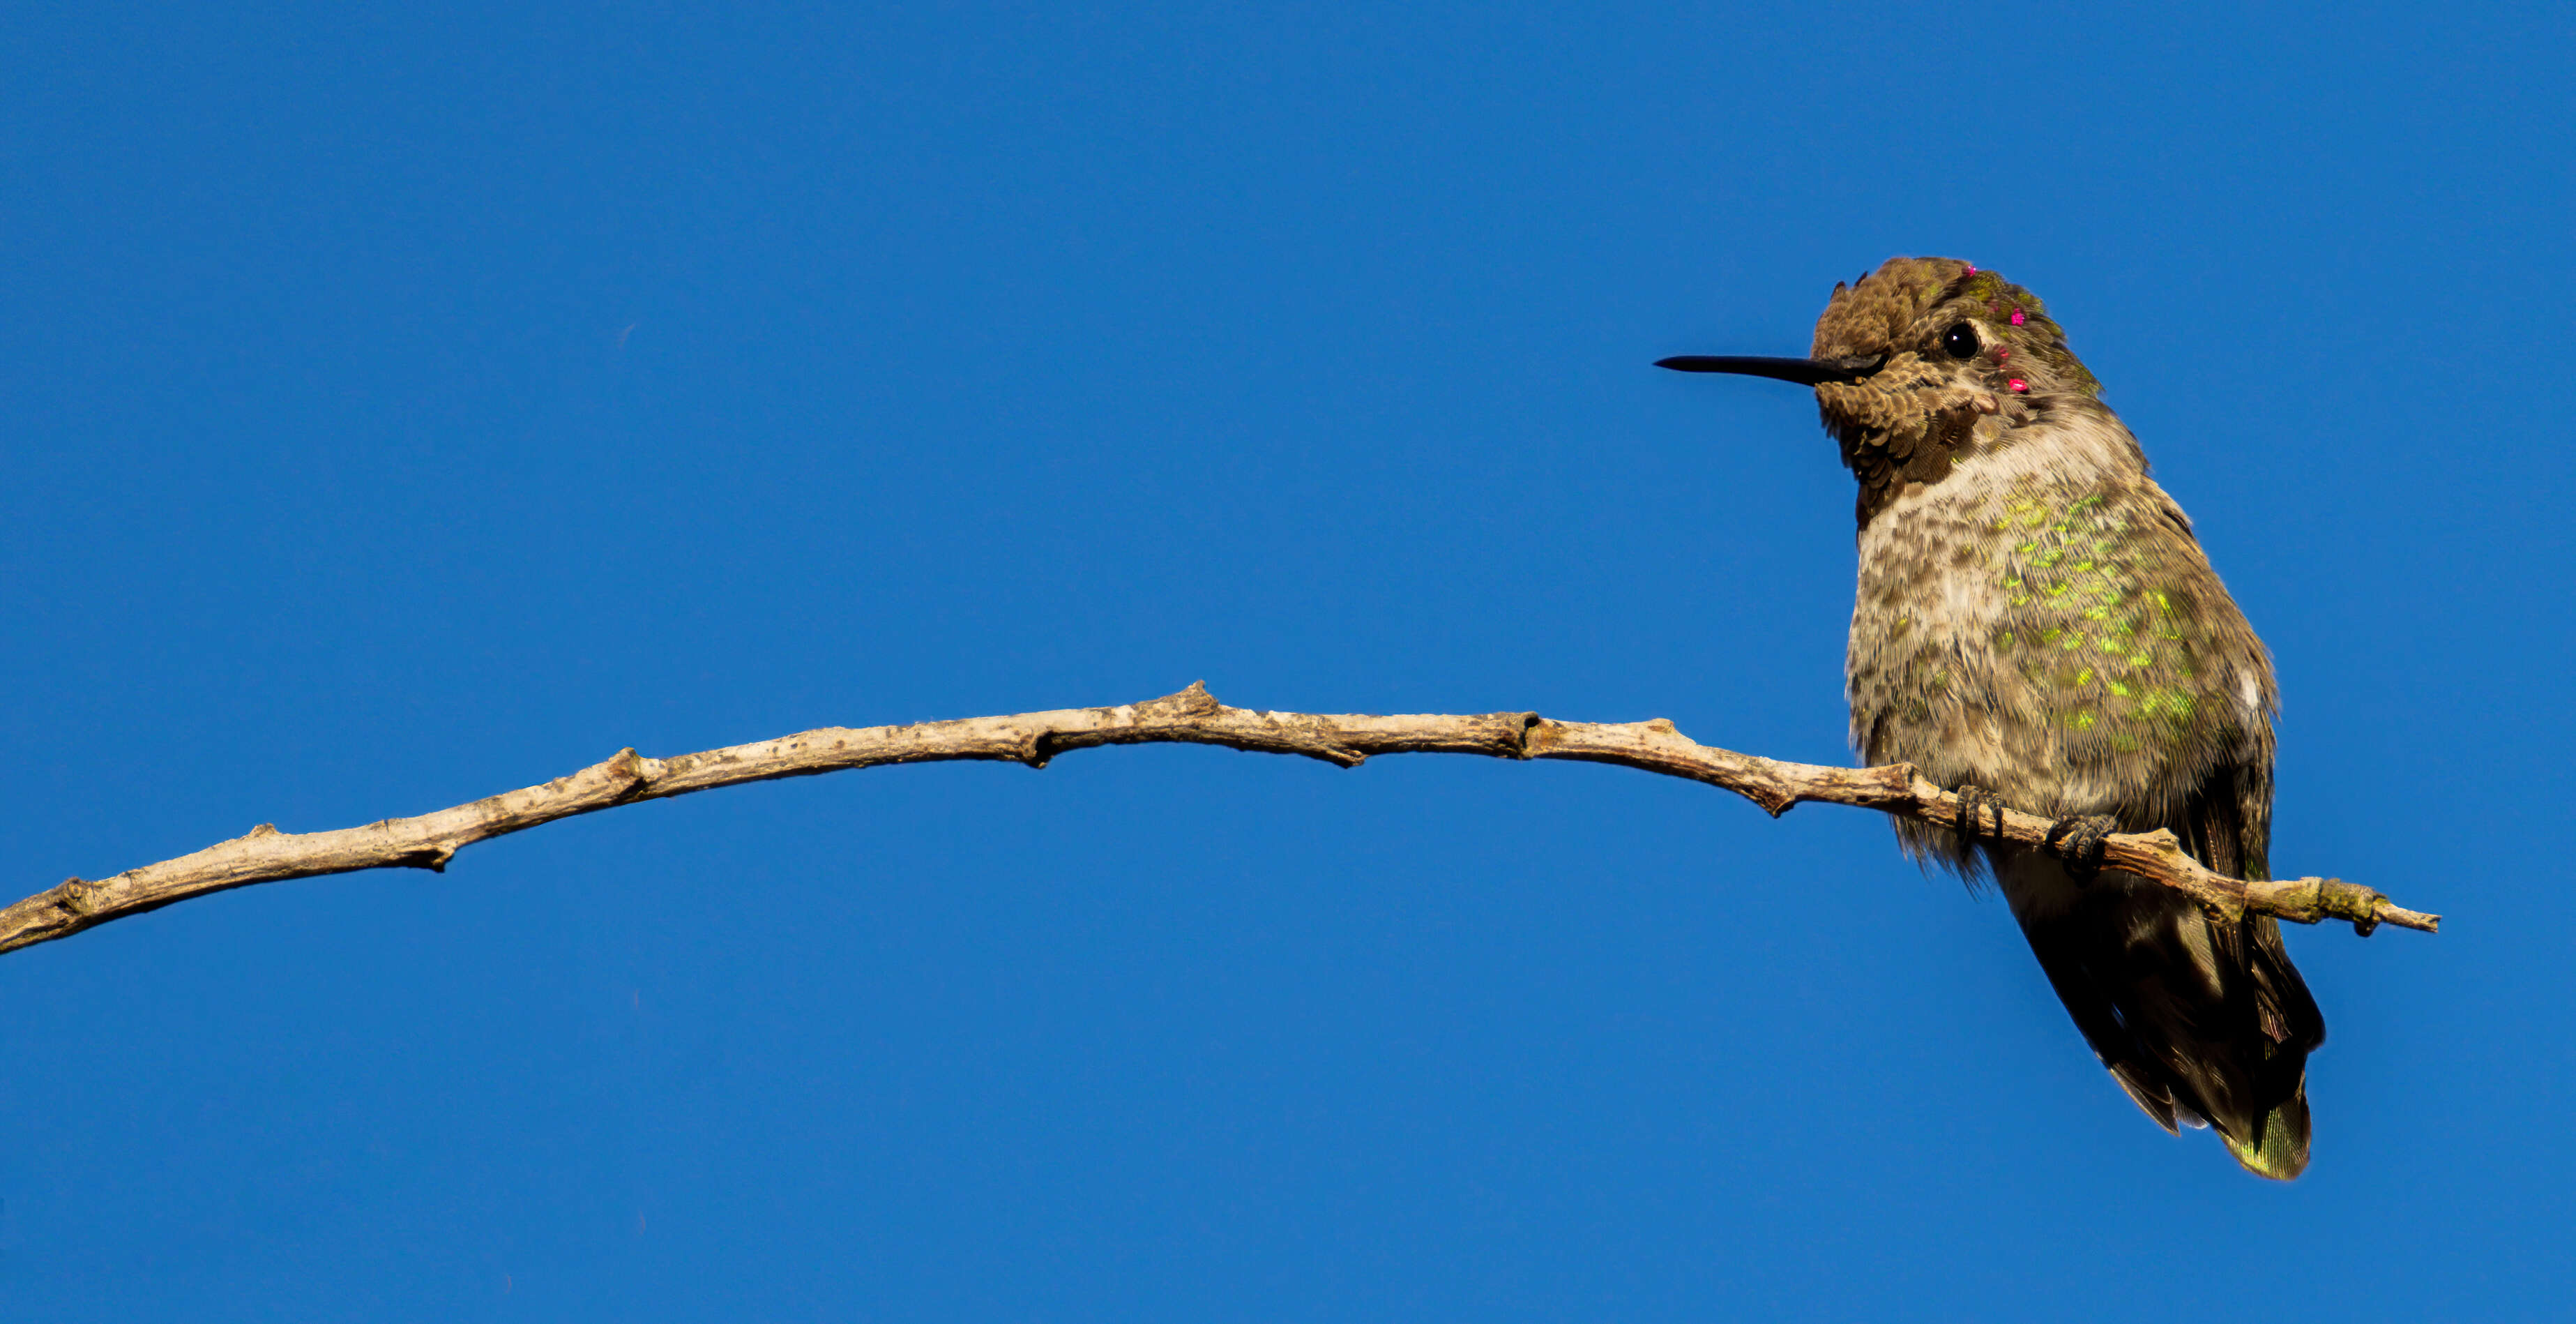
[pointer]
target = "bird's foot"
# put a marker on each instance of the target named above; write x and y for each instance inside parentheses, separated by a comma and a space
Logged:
(1976, 803)
(2077, 842)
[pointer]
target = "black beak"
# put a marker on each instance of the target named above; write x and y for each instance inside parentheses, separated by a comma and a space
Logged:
(1805, 372)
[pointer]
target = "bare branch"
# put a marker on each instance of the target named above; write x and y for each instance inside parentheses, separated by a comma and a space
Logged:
(1192, 716)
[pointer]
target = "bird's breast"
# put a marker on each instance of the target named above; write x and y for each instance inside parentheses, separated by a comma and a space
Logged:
(2044, 630)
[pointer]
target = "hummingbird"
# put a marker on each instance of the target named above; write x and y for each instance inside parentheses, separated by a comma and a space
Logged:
(2037, 626)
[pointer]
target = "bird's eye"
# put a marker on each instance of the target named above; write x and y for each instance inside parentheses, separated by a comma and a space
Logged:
(1960, 340)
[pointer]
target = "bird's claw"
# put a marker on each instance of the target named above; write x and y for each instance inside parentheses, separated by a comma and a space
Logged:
(1975, 804)
(2077, 840)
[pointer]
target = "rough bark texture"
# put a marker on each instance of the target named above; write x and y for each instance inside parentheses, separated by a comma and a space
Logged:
(1192, 716)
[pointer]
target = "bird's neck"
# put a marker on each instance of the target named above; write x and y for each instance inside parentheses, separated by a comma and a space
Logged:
(2066, 446)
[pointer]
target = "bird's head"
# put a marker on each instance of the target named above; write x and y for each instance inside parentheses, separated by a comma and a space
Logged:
(1919, 364)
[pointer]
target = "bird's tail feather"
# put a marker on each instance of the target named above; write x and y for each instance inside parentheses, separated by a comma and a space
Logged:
(2197, 1019)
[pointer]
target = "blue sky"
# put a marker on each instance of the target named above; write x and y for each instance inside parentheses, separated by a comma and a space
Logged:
(402, 405)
